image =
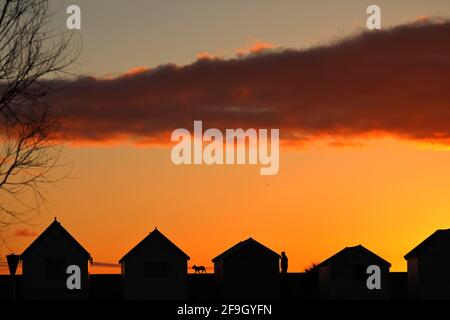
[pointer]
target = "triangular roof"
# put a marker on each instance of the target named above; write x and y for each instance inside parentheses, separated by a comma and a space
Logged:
(155, 235)
(427, 242)
(348, 252)
(55, 226)
(241, 245)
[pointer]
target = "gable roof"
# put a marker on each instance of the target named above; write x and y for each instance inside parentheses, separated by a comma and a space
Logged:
(427, 242)
(55, 226)
(348, 252)
(241, 245)
(155, 235)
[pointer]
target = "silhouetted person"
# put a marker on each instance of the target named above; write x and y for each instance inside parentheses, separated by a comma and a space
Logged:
(284, 263)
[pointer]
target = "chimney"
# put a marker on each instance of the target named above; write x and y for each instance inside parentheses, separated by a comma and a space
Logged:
(13, 261)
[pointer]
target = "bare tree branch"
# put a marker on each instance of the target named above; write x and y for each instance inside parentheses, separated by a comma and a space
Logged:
(31, 54)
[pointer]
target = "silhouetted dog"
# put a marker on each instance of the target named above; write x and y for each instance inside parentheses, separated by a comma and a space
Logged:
(198, 269)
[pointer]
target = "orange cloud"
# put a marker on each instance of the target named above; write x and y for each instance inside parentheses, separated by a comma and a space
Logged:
(136, 70)
(24, 233)
(206, 56)
(385, 83)
(422, 19)
(257, 47)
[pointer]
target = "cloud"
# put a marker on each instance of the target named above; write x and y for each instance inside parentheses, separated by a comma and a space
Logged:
(257, 47)
(382, 83)
(207, 56)
(106, 264)
(135, 71)
(24, 233)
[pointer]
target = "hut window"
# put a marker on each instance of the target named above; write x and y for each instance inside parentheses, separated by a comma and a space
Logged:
(55, 268)
(360, 272)
(156, 269)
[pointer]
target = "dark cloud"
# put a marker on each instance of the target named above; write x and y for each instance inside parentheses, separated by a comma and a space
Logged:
(24, 233)
(394, 82)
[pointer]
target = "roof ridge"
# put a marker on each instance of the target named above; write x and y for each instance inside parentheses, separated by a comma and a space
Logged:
(53, 225)
(425, 243)
(238, 245)
(344, 253)
(150, 236)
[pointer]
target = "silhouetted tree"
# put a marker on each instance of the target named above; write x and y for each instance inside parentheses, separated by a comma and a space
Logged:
(312, 280)
(311, 269)
(32, 53)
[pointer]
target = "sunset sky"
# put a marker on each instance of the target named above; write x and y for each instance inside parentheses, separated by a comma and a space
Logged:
(364, 123)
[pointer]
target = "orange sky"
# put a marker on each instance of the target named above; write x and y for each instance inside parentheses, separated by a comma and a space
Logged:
(386, 194)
